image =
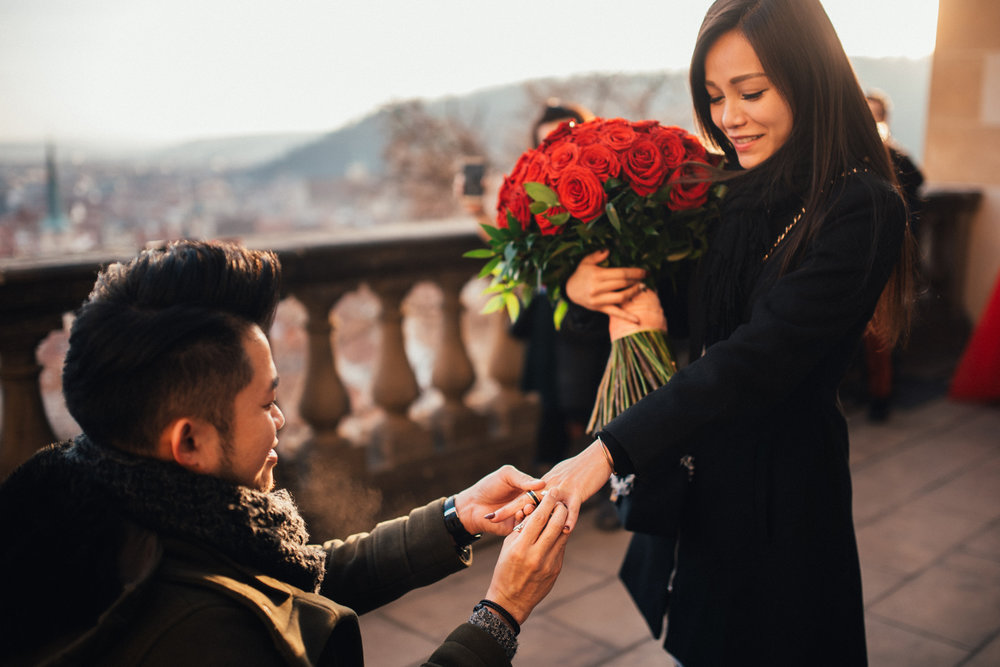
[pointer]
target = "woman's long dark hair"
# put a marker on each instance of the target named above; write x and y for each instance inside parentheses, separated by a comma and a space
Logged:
(833, 130)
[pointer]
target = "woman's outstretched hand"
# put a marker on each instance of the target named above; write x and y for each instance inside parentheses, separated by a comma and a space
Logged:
(604, 289)
(578, 478)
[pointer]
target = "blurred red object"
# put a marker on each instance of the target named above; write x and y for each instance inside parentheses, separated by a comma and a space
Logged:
(977, 377)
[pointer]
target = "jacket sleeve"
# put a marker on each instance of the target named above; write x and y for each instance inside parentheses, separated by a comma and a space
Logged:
(794, 324)
(368, 570)
(468, 646)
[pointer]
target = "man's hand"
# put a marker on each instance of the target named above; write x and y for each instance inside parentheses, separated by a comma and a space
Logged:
(490, 494)
(531, 558)
(604, 289)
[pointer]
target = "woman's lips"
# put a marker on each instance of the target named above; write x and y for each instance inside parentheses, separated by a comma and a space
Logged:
(743, 143)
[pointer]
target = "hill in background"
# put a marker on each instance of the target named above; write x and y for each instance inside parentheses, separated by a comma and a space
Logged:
(501, 117)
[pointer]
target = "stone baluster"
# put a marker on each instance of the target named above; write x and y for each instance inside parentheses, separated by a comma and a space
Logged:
(325, 401)
(454, 423)
(395, 438)
(25, 426)
(513, 412)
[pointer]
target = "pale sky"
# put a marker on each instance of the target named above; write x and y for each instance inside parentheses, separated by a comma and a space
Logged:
(172, 70)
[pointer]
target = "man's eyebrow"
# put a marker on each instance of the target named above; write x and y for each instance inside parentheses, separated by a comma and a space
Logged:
(737, 79)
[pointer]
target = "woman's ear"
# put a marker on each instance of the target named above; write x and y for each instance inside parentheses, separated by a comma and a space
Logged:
(191, 443)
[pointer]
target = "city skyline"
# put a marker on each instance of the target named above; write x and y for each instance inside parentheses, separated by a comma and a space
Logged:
(139, 71)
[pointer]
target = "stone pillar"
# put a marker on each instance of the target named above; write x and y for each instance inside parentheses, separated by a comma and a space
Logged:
(395, 438)
(454, 423)
(25, 426)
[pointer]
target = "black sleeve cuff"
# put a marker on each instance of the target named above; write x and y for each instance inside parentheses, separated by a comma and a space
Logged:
(623, 464)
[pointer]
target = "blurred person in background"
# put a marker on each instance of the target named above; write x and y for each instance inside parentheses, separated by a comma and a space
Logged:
(879, 359)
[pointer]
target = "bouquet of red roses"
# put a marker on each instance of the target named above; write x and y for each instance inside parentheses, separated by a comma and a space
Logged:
(637, 189)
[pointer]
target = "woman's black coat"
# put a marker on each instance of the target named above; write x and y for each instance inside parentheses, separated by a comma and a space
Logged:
(767, 565)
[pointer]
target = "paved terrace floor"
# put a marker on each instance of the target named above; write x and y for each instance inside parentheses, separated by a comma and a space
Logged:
(927, 509)
(927, 512)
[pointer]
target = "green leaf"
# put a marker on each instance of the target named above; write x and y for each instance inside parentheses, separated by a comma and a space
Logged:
(538, 207)
(560, 219)
(513, 224)
(677, 256)
(479, 253)
(560, 313)
(510, 253)
(496, 288)
(613, 217)
(490, 265)
(494, 304)
(496, 232)
(513, 305)
(542, 192)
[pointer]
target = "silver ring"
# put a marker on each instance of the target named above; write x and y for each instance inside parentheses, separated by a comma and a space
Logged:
(534, 498)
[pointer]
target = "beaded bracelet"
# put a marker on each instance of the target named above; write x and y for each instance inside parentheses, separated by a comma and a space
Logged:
(503, 613)
(495, 627)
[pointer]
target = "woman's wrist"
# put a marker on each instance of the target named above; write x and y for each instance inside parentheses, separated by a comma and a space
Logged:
(607, 455)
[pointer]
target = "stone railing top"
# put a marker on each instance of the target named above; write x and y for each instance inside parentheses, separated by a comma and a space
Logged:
(42, 285)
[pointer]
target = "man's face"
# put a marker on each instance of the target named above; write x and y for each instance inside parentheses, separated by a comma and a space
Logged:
(249, 457)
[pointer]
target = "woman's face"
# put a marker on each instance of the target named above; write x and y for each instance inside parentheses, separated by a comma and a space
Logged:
(744, 103)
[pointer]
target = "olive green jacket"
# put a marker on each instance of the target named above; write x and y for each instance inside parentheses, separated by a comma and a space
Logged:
(190, 605)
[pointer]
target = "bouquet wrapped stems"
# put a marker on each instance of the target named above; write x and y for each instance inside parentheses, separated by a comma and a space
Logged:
(639, 363)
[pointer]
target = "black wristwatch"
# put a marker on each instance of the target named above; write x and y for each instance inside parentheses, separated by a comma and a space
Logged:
(462, 537)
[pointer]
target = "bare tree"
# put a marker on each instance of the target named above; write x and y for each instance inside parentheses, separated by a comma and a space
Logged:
(422, 154)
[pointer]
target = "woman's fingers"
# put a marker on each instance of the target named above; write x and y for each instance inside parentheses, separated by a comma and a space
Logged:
(549, 513)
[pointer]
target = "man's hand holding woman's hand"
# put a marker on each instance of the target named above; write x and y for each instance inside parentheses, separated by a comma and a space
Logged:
(578, 478)
(485, 497)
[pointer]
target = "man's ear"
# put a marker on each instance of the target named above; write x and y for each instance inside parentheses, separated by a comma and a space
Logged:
(191, 443)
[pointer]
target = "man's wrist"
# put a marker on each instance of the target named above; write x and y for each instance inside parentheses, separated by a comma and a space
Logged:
(494, 625)
(456, 529)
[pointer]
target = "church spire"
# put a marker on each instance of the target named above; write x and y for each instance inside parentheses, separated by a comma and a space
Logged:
(55, 220)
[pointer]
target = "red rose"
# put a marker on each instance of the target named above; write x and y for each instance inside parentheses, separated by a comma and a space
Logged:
(513, 198)
(545, 225)
(558, 134)
(601, 160)
(671, 146)
(645, 167)
(617, 134)
(581, 193)
(535, 167)
(646, 125)
(587, 133)
(689, 187)
(695, 149)
(561, 155)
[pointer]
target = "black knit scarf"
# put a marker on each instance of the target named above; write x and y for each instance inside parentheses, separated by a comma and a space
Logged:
(753, 214)
(262, 530)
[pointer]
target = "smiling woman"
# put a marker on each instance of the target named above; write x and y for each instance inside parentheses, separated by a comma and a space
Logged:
(745, 104)
(810, 250)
